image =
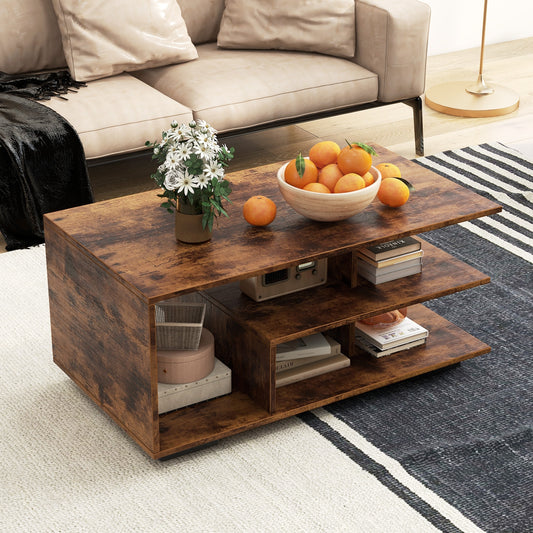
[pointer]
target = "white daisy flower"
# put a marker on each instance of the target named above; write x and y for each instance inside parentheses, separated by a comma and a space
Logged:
(203, 180)
(184, 150)
(182, 133)
(207, 128)
(172, 160)
(187, 184)
(205, 152)
(213, 170)
(204, 139)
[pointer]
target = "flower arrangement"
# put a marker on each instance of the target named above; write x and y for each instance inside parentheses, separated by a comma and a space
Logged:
(191, 170)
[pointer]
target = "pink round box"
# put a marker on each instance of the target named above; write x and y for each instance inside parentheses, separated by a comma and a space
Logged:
(186, 366)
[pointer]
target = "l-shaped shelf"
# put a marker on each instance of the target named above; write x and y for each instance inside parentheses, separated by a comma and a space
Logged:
(333, 308)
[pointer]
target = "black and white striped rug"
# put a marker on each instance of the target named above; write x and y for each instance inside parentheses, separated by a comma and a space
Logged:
(457, 445)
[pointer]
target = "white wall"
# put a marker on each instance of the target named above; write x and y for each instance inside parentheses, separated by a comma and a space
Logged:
(457, 24)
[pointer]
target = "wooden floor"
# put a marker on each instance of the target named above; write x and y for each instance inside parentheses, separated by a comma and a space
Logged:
(509, 64)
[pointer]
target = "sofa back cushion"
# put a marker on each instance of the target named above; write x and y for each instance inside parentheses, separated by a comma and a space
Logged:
(303, 25)
(202, 18)
(106, 37)
(29, 37)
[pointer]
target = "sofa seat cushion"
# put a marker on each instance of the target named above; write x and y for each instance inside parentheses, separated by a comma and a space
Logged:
(118, 114)
(233, 89)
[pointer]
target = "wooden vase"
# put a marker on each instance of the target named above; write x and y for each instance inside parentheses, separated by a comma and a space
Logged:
(188, 228)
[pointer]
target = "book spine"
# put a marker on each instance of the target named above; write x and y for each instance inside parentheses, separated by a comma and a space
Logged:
(334, 362)
(376, 279)
(383, 338)
(281, 366)
(329, 346)
(392, 267)
(391, 248)
(392, 261)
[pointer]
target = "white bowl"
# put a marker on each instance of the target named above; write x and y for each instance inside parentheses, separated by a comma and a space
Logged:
(328, 207)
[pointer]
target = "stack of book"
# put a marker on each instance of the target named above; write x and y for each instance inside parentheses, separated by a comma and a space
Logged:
(390, 260)
(307, 357)
(381, 341)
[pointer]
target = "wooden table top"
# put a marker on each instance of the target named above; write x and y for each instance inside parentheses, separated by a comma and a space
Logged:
(134, 238)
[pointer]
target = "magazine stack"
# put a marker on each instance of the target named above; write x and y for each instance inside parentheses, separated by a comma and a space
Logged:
(307, 357)
(386, 340)
(390, 260)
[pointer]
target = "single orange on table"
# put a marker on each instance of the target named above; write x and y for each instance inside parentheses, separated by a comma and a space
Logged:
(330, 175)
(349, 183)
(317, 187)
(356, 158)
(259, 210)
(324, 153)
(393, 192)
(300, 171)
(388, 170)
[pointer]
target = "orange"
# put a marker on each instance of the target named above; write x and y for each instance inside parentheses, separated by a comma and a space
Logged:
(293, 178)
(330, 175)
(349, 182)
(369, 178)
(317, 187)
(393, 192)
(259, 210)
(323, 153)
(388, 170)
(354, 158)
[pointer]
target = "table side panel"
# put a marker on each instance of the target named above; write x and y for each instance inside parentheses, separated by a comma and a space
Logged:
(102, 338)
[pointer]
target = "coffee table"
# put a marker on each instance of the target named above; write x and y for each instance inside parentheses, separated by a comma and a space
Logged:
(109, 263)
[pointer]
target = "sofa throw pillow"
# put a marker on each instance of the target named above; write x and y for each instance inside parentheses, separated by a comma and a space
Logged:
(106, 37)
(321, 26)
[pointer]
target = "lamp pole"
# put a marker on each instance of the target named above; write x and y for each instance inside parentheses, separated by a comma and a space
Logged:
(481, 87)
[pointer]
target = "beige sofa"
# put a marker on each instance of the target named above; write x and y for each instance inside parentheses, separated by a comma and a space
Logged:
(234, 89)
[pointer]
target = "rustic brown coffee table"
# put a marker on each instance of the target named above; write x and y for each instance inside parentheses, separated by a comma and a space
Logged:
(109, 263)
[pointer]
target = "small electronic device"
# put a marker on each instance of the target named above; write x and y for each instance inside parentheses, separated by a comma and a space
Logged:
(286, 280)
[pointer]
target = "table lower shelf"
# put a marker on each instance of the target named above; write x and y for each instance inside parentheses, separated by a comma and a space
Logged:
(203, 423)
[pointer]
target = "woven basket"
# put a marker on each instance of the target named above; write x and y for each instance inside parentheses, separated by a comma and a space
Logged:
(179, 325)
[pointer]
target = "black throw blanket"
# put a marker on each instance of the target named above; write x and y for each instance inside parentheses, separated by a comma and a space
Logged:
(42, 169)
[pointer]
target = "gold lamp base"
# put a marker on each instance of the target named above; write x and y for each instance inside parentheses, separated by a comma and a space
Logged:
(461, 99)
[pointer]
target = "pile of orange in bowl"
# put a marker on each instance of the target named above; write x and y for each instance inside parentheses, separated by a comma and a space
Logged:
(345, 178)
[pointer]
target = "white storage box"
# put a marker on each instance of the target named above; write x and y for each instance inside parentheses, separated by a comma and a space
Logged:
(215, 384)
(179, 324)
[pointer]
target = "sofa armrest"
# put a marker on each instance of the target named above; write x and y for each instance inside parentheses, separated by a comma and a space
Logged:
(392, 39)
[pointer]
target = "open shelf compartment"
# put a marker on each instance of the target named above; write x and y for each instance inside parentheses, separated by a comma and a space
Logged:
(198, 425)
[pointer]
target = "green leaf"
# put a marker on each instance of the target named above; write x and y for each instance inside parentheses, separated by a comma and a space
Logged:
(364, 146)
(367, 148)
(300, 165)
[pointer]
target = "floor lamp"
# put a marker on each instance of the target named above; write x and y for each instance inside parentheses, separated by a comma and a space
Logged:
(464, 99)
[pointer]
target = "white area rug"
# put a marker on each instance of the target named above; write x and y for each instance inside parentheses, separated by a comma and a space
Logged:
(66, 467)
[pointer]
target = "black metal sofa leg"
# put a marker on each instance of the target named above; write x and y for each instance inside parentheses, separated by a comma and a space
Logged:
(416, 104)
